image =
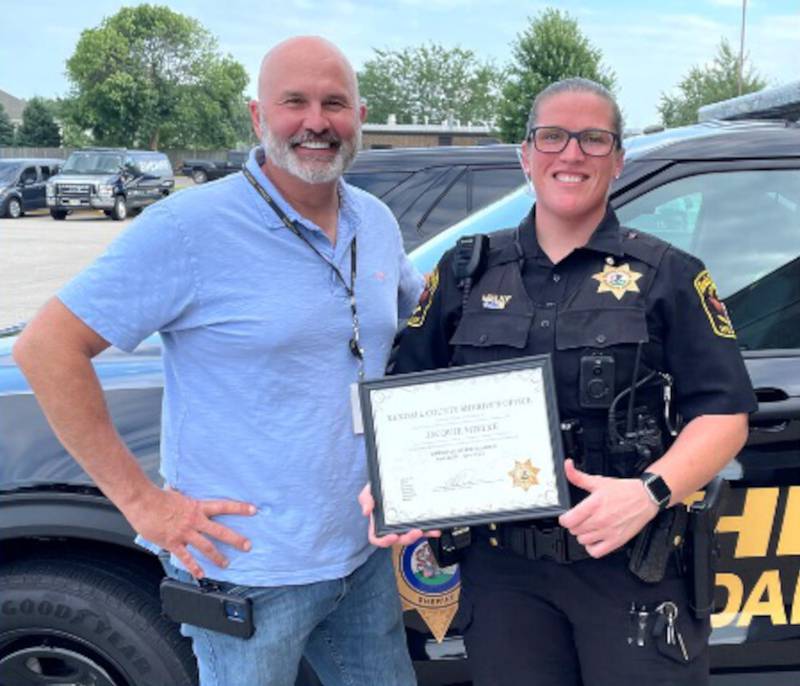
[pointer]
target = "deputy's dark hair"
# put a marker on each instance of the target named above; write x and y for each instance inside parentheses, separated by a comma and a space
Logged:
(576, 85)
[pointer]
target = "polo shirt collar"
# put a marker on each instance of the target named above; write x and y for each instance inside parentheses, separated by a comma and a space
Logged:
(347, 210)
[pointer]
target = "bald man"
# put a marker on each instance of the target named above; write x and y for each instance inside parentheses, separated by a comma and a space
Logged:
(274, 290)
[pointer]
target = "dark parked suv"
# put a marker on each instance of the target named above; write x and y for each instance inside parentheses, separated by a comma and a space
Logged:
(79, 601)
(114, 180)
(22, 184)
(428, 189)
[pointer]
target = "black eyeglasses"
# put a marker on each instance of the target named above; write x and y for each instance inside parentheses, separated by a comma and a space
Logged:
(592, 142)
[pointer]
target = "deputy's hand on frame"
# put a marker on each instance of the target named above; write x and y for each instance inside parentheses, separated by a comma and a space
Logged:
(613, 513)
(367, 503)
(174, 521)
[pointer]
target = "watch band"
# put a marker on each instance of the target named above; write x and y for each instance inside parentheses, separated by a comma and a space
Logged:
(657, 489)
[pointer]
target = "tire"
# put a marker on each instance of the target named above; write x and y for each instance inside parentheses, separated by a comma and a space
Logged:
(13, 208)
(120, 210)
(63, 621)
(199, 175)
(60, 215)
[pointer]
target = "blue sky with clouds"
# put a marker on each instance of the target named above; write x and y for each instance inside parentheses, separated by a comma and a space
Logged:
(650, 46)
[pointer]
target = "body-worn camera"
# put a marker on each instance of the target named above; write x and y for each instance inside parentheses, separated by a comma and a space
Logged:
(597, 381)
(208, 607)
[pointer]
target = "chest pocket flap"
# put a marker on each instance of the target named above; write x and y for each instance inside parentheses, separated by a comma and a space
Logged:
(600, 328)
(484, 328)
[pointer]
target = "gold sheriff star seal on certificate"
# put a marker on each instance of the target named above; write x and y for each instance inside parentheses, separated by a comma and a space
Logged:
(617, 280)
(524, 475)
(431, 590)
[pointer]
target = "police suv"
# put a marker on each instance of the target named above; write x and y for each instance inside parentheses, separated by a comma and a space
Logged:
(79, 600)
(114, 180)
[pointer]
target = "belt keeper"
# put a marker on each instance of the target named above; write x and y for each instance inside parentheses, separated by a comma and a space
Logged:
(529, 543)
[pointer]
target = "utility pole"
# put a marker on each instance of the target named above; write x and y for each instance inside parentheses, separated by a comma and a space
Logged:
(741, 48)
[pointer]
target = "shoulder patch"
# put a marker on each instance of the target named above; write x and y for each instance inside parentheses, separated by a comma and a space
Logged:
(417, 318)
(714, 308)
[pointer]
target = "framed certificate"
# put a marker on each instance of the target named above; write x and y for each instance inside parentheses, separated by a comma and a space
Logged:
(465, 445)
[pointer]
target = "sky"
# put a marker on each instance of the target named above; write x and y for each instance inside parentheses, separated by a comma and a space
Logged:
(649, 46)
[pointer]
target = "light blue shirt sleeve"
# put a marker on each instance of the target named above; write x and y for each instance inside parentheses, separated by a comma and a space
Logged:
(143, 283)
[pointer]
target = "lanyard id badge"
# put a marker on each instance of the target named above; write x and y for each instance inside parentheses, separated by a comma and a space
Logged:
(354, 344)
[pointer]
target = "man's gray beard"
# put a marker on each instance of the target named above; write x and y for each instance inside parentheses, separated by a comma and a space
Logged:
(283, 156)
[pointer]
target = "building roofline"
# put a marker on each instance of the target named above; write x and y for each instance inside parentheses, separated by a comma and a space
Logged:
(426, 129)
(12, 105)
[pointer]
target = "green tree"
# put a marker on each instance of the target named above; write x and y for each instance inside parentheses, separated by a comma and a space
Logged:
(38, 128)
(429, 83)
(6, 128)
(213, 122)
(550, 49)
(73, 135)
(707, 85)
(150, 77)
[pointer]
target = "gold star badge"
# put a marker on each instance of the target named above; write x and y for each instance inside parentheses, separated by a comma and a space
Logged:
(617, 280)
(524, 475)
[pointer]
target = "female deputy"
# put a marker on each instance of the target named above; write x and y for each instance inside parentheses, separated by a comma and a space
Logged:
(555, 603)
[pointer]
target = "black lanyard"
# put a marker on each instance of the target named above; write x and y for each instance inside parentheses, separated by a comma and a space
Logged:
(355, 341)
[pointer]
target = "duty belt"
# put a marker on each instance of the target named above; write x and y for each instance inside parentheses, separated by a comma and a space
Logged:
(538, 542)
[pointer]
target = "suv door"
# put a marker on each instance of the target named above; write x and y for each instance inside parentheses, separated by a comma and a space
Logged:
(743, 220)
(152, 172)
(31, 188)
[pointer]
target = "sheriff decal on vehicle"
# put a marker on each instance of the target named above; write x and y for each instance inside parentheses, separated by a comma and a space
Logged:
(427, 588)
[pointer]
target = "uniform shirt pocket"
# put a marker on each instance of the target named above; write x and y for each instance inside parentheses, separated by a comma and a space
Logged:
(486, 328)
(600, 328)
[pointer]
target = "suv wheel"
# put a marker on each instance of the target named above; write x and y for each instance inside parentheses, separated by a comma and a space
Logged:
(58, 214)
(13, 208)
(199, 176)
(67, 622)
(120, 210)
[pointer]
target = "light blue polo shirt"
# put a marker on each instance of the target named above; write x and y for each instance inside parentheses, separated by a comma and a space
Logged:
(257, 367)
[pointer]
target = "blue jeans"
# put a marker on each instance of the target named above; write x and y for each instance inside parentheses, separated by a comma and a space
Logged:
(350, 630)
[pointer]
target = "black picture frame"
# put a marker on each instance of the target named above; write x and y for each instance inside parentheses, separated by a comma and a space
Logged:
(367, 390)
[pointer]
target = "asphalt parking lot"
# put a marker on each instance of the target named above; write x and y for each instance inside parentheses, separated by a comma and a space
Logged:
(38, 255)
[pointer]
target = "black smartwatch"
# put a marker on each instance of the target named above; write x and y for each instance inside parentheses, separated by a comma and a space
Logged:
(657, 489)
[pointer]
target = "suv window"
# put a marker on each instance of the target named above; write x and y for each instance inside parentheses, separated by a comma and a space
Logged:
(430, 190)
(91, 162)
(237, 157)
(489, 185)
(413, 201)
(448, 207)
(745, 226)
(28, 175)
(378, 183)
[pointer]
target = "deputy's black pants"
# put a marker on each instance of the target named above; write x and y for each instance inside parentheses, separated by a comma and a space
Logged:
(540, 623)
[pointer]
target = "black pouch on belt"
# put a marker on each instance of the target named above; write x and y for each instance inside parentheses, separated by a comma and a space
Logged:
(702, 549)
(655, 544)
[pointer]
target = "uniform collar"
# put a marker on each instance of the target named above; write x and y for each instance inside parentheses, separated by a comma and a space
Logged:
(347, 207)
(606, 238)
